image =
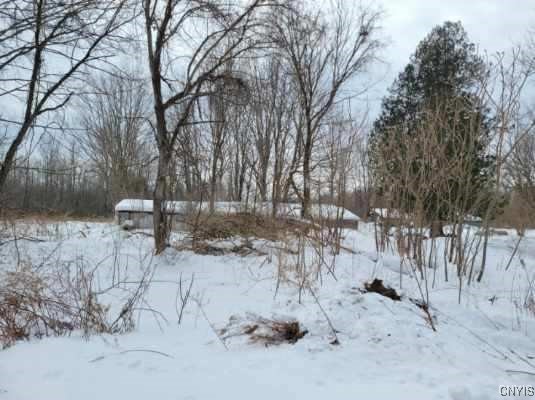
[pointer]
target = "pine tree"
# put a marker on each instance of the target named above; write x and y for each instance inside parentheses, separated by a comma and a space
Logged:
(442, 75)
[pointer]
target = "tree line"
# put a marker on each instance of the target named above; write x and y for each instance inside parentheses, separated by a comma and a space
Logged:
(255, 102)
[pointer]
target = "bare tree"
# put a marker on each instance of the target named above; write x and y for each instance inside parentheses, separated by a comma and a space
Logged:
(324, 54)
(116, 138)
(45, 45)
(519, 183)
(360, 191)
(224, 104)
(337, 145)
(190, 154)
(239, 154)
(213, 33)
(504, 89)
(271, 108)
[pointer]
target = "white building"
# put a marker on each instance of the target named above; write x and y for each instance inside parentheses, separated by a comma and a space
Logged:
(139, 212)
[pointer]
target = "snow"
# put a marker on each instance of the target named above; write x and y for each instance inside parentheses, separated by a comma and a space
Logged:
(134, 205)
(176, 207)
(386, 212)
(294, 210)
(387, 350)
(473, 218)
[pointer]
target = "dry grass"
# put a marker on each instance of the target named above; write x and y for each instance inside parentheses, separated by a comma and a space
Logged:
(222, 226)
(518, 214)
(274, 332)
(48, 216)
(264, 331)
(35, 303)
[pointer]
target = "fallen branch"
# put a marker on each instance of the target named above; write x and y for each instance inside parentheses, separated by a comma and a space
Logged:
(100, 358)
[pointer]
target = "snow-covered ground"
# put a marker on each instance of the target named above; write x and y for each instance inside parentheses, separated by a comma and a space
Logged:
(387, 349)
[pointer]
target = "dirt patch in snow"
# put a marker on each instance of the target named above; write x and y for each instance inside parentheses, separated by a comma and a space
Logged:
(377, 286)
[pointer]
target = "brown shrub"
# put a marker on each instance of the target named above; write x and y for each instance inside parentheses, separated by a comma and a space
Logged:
(28, 310)
(226, 226)
(518, 213)
(34, 304)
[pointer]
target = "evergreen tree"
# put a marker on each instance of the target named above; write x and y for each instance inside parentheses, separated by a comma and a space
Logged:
(442, 76)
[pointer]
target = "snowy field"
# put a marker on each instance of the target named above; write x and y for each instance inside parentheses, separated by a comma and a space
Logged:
(387, 349)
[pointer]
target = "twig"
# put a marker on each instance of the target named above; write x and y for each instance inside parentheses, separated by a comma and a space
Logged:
(513, 371)
(99, 358)
(514, 252)
(29, 239)
(333, 330)
(503, 355)
(522, 358)
(184, 297)
(141, 233)
(210, 323)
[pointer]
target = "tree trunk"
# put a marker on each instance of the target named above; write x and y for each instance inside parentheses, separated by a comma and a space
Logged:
(160, 219)
(11, 153)
(262, 184)
(187, 179)
(213, 185)
(307, 155)
(275, 190)
(437, 229)
(484, 256)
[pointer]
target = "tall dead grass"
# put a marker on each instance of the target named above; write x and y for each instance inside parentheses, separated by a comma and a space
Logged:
(54, 301)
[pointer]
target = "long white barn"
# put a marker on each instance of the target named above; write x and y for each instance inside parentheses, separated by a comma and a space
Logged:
(139, 212)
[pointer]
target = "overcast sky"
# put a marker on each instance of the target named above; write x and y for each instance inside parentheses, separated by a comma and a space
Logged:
(493, 25)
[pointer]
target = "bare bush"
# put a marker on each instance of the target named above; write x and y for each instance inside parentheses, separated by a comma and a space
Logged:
(27, 311)
(306, 256)
(427, 186)
(70, 36)
(218, 226)
(35, 303)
